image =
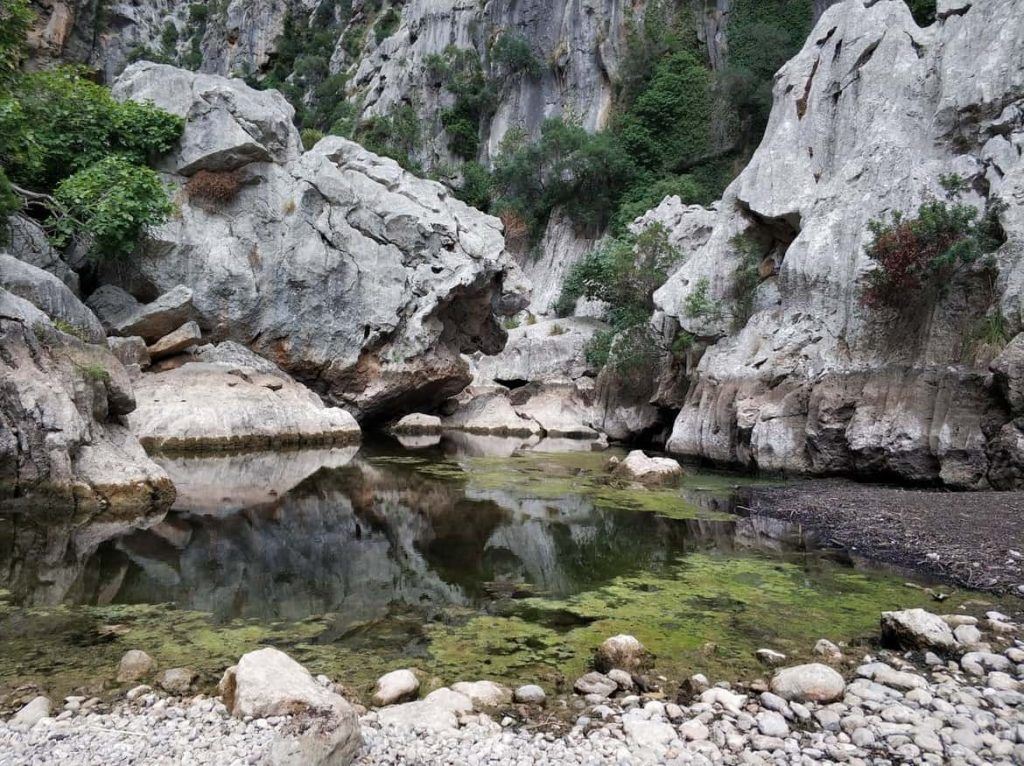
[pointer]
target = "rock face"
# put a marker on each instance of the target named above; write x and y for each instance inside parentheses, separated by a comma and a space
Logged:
(866, 119)
(121, 314)
(52, 296)
(222, 404)
(549, 350)
(344, 269)
(61, 441)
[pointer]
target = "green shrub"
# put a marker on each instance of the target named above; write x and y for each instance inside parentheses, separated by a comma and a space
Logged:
(747, 276)
(919, 256)
(9, 201)
(476, 186)
(599, 348)
(557, 329)
(169, 39)
(56, 122)
(645, 195)
(924, 11)
(387, 25)
(395, 135)
(15, 21)
(93, 371)
(699, 304)
(70, 329)
(458, 71)
(310, 136)
(682, 343)
(113, 201)
(512, 52)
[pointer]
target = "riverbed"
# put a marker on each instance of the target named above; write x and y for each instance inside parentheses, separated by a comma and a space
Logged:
(467, 557)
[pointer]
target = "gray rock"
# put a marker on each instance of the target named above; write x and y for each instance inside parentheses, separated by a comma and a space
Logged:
(484, 694)
(121, 314)
(530, 694)
(561, 409)
(129, 351)
(771, 724)
(31, 713)
(650, 471)
(135, 665)
(64, 399)
(916, 629)
(319, 739)
(595, 683)
(418, 423)
(770, 657)
(396, 686)
(186, 336)
(813, 682)
(27, 242)
(177, 680)
(439, 711)
(815, 381)
(623, 652)
(51, 296)
(336, 263)
(204, 405)
(622, 679)
(553, 349)
(489, 412)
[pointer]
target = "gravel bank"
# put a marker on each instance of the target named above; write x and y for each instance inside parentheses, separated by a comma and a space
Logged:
(938, 712)
(973, 539)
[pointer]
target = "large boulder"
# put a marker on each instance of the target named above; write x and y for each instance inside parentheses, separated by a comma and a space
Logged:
(62, 444)
(489, 411)
(650, 471)
(866, 120)
(336, 264)
(267, 682)
(560, 408)
(917, 629)
(50, 295)
(553, 349)
(219, 405)
(121, 314)
(439, 711)
(396, 686)
(27, 242)
(227, 123)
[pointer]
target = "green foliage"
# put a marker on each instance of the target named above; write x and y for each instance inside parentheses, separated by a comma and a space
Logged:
(920, 255)
(662, 30)
(310, 136)
(668, 124)
(395, 135)
(557, 329)
(70, 329)
(512, 53)
(198, 17)
(458, 71)
(568, 167)
(747, 276)
(992, 332)
(56, 122)
(9, 201)
(93, 371)
(169, 39)
(682, 344)
(763, 35)
(476, 186)
(644, 195)
(15, 20)
(387, 24)
(112, 201)
(624, 273)
(699, 304)
(924, 11)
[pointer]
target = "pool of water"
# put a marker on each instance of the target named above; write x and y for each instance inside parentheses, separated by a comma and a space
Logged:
(469, 557)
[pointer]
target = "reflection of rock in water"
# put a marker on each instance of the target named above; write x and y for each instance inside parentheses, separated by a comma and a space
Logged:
(225, 483)
(480, 445)
(364, 541)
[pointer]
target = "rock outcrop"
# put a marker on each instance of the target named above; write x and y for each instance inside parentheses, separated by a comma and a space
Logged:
(231, 403)
(62, 445)
(351, 274)
(866, 120)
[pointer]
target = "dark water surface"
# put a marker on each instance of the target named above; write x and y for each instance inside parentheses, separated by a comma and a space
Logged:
(470, 557)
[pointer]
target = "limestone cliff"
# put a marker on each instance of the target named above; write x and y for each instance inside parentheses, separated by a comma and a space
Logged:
(866, 119)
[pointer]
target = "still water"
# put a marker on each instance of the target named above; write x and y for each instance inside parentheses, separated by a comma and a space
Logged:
(469, 557)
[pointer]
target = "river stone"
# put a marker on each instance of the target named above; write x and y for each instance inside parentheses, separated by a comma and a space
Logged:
(330, 739)
(889, 676)
(135, 665)
(418, 423)
(772, 724)
(177, 680)
(121, 314)
(484, 694)
(968, 635)
(649, 740)
(31, 713)
(828, 650)
(650, 471)
(396, 686)
(595, 683)
(203, 405)
(530, 694)
(623, 652)
(267, 682)
(813, 682)
(770, 657)
(438, 711)
(51, 296)
(184, 337)
(916, 629)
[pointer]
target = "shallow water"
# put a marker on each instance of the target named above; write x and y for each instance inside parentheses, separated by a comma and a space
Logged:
(470, 557)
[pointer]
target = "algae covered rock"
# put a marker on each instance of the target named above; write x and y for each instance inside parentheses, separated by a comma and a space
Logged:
(622, 652)
(649, 471)
(135, 665)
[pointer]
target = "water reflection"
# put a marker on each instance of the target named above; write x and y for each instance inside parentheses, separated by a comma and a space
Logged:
(361, 534)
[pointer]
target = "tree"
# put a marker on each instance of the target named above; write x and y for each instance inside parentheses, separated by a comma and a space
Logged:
(15, 22)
